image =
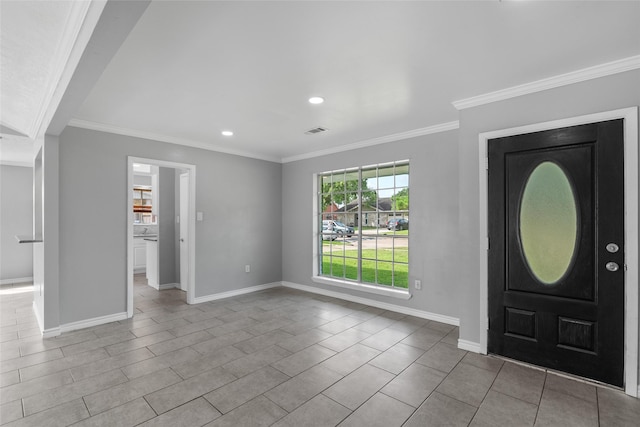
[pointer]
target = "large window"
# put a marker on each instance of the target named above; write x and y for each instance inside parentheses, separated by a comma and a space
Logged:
(363, 225)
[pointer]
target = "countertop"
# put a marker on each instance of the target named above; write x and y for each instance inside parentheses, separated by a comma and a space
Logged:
(29, 239)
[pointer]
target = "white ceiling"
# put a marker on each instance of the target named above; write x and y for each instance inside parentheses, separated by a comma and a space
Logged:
(189, 70)
(37, 44)
(37, 28)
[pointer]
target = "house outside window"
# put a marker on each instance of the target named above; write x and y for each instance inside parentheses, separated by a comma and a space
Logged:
(363, 225)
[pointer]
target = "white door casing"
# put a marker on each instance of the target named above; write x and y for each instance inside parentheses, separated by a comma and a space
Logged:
(190, 223)
(184, 231)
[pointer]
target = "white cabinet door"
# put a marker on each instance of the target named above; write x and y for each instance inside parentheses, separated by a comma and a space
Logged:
(152, 264)
(139, 255)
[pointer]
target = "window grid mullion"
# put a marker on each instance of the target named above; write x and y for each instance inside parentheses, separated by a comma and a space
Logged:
(360, 191)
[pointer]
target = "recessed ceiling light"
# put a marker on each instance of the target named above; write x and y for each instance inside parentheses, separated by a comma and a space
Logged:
(316, 100)
(227, 133)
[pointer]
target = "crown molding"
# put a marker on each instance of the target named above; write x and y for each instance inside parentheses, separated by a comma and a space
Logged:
(442, 127)
(101, 127)
(14, 163)
(602, 70)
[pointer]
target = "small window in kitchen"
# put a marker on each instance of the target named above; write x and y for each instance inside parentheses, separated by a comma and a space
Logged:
(142, 205)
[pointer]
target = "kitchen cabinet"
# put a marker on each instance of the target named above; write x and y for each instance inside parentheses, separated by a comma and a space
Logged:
(152, 262)
(139, 255)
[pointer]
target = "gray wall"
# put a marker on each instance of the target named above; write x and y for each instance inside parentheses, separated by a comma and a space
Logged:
(603, 94)
(240, 198)
(433, 191)
(16, 217)
(166, 227)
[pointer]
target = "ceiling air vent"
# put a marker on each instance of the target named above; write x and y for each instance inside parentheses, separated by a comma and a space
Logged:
(315, 130)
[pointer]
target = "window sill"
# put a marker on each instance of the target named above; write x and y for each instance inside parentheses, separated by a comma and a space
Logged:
(394, 293)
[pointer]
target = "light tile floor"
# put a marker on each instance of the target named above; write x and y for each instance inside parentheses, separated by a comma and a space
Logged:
(278, 357)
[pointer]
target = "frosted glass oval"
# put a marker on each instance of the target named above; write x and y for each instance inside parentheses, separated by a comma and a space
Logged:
(548, 223)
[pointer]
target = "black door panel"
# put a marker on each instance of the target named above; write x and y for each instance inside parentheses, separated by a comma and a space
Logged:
(555, 202)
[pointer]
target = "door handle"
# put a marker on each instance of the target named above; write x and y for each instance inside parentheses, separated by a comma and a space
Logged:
(182, 240)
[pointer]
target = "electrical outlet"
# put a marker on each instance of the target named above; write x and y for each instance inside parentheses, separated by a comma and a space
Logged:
(418, 284)
(247, 268)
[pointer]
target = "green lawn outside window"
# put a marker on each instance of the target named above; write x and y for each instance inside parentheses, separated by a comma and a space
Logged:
(344, 264)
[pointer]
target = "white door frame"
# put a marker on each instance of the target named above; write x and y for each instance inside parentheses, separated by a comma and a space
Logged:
(630, 116)
(184, 269)
(191, 170)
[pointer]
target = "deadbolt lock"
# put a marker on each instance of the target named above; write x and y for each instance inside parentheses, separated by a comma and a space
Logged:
(612, 266)
(612, 248)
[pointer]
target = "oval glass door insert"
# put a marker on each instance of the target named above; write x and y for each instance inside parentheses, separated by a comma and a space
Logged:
(548, 223)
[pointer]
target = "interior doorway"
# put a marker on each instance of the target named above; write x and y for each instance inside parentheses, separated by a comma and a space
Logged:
(179, 183)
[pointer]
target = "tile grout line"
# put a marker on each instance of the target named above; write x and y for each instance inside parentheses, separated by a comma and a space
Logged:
(488, 390)
(544, 383)
(598, 405)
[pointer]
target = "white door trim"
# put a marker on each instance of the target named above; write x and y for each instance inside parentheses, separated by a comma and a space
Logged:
(191, 170)
(630, 116)
(184, 269)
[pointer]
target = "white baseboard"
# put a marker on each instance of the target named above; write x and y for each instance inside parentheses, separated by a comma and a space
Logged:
(67, 327)
(384, 305)
(16, 280)
(471, 346)
(164, 286)
(51, 333)
(228, 294)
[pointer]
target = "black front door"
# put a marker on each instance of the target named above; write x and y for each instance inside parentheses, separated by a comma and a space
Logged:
(556, 249)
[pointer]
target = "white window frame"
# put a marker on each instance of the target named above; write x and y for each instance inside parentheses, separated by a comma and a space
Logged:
(394, 292)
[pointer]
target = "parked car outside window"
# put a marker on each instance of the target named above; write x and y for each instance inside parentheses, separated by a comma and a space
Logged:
(328, 234)
(398, 224)
(338, 227)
